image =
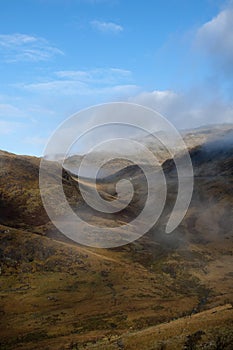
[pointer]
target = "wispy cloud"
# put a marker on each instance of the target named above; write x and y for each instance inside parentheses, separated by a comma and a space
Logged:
(57, 87)
(97, 76)
(8, 127)
(22, 47)
(8, 111)
(70, 87)
(107, 27)
(80, 82)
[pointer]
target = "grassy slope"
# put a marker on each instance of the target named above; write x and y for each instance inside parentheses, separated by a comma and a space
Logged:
(55, 294)
(59, 295)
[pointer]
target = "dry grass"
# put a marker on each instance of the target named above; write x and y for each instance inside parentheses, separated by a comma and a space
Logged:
(57, 295)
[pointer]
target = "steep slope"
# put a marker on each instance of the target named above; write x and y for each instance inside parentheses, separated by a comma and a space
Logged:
(20, 200)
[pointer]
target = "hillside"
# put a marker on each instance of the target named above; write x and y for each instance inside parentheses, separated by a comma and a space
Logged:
(160, 292)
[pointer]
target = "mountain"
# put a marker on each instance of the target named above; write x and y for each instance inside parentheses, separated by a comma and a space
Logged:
(163, 291)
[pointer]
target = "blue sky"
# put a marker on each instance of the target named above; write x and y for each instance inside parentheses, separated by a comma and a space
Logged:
(59, 56)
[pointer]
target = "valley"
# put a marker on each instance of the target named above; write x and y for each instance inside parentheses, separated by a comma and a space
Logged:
(163, 291)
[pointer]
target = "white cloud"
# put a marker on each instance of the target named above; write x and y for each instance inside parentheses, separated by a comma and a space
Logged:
(186, 110)
(99, 75)
(71, 87)
(206, 103)
(216, 39)
(157, 98)
(107, 27)
(8, 40)
(22, 47)
(85, 83)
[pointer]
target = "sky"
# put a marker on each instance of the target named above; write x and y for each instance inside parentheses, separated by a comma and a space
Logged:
(60, 56)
